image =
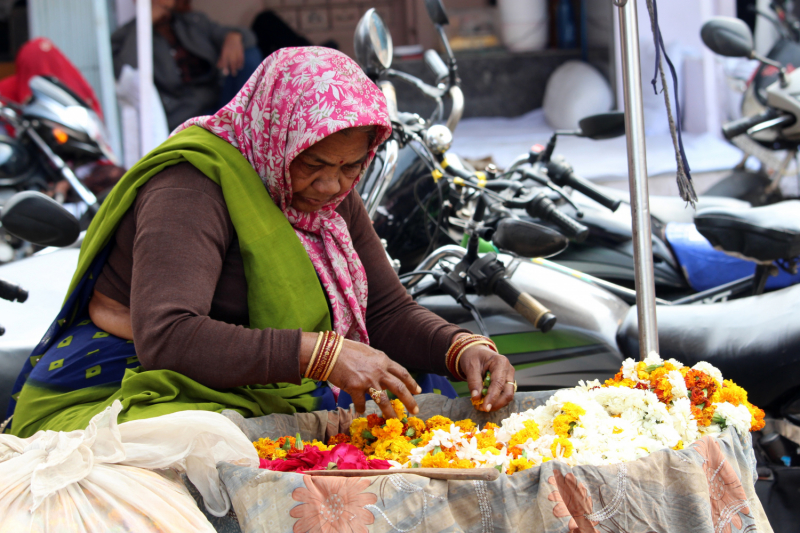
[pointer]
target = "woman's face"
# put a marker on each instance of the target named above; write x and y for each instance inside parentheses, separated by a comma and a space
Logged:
(327, 169)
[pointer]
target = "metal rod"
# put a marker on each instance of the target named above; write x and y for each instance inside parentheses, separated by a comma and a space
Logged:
(637, 177)
(144, 56)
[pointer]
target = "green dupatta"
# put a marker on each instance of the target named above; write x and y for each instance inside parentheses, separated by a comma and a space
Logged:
(283, 292)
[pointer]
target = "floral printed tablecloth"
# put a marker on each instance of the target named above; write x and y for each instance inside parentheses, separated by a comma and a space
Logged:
(707, 487)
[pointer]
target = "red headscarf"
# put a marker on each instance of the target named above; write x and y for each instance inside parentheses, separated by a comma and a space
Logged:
(294, 99)
(40, 57)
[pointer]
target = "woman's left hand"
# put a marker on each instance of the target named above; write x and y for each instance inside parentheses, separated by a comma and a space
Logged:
(231, 57)
(474, 364)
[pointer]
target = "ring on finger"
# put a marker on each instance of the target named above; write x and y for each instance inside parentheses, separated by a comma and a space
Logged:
(513, 383)
(377, 395)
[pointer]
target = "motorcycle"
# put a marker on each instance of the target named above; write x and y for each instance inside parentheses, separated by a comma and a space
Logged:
(763, 186)
(559, 326)
(53, 138)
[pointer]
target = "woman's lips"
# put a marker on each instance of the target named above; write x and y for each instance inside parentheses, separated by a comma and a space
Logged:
(312, 201)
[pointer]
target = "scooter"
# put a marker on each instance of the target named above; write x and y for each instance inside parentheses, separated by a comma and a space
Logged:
(51, 138)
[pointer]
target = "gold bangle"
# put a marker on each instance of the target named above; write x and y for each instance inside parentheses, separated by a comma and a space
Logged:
(337, 349)
(324, 356)
(314, 354)
(474, 342)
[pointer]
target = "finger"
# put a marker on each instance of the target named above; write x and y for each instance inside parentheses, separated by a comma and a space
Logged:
(358, 401)
(499, 371)
(472, 369)
(507, 395)
(403, 375)
(401, 391)
(386, 406)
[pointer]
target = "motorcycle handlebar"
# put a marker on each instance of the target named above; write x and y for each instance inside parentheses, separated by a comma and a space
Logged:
(387, 88)
(436, 64)
(526, 305)
(561, 173)
(543, 207)
(11, 292)
(740, 126)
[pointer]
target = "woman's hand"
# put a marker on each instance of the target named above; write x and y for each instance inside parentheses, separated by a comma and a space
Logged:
(231, 57)
(359, 368)
(474, 364)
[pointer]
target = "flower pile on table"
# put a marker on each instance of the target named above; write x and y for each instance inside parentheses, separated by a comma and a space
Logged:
(648, 406)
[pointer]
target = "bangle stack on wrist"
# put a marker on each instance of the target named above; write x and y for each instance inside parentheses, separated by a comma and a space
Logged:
(461, 345)
(324, 356)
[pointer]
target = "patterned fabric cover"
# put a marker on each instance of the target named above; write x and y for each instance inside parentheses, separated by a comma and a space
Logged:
(708, 487)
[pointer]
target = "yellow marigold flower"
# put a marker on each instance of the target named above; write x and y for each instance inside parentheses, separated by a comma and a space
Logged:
(668, 367)
(395, 449)
(531, 431)
(491, 425)
(561, 425)
(279, 453)
(732, 393)
(466, 425)
(678, 446)
(393, 428)
(462, 463)
(358, 426)
(265, 448)
(566, 447)
(486, 439)
(545, 459)
(426, 438)
(439, 460)
(321, 446)
(572, 410)
(438, 421)
(518, 465)
(418, 425)
(358, 441)
(399, 409)
(756, 417)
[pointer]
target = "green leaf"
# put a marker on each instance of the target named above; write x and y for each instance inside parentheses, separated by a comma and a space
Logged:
(437, 450)
(718, 419)
(367, 434)
(404, 420)
(298, 442)
(331, 466)
(499, 468)
(525, 454)
(701, 406)
(287, 445)
(416, 441)
(652, 367)
(414, 465)
(411, 432)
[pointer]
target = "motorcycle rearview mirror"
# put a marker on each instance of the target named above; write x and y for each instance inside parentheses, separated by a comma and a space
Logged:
(373, 44)
(603, 126)
(728, 36)
(36, 218)
(527, 239)
(436, 12)
(731, 37)
(437, 66)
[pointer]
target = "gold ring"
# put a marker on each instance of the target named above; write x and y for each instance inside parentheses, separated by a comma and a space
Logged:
(376, 395)
(513, 383)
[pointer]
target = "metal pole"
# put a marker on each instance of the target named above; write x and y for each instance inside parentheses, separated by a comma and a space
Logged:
(144, 56)
(637, 177)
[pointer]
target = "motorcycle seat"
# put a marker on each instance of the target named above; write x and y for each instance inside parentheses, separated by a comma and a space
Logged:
(763, 234)
(754, 341)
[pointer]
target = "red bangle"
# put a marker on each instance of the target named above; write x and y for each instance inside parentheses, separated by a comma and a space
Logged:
(458, 348)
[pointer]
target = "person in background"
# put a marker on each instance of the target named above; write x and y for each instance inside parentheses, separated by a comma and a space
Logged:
(198, 65)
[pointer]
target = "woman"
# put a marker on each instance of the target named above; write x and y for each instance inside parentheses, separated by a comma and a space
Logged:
(229, 269)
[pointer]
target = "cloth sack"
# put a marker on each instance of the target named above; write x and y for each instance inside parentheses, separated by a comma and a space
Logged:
(112, 477)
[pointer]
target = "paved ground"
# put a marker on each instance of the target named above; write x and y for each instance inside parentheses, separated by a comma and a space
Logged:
(665, 184)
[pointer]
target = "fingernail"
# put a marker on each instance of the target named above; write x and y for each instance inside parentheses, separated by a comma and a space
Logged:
(475, 393)
(419, 389)
(488, 407)
(416, 410)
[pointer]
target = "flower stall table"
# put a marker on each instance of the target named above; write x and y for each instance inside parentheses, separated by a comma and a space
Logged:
(707, 487)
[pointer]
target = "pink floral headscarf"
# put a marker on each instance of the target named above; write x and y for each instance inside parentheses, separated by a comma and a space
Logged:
(295, 98)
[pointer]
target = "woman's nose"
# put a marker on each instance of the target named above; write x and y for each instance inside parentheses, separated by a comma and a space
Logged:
(329, 183)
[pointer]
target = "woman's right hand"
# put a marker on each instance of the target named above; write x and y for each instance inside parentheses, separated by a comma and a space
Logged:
(361, 367)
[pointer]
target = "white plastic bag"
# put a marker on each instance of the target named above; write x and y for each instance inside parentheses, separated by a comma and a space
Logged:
(575, 90)
(101, 479)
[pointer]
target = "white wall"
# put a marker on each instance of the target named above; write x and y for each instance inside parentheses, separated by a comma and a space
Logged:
(699, 71)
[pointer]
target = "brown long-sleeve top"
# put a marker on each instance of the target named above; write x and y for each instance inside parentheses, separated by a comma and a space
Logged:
(175, 262)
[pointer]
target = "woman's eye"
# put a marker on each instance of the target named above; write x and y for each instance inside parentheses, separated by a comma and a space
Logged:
(351, 169)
